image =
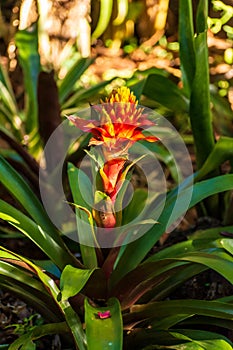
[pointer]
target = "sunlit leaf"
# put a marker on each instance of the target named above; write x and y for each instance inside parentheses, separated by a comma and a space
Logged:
(165, 308)
(165, 92)
(67, 83)
(80, 186)
(73, 280)
(136, 251)
(186, 41)
(104, 18)
(27, 43)
(25, 340)
(51, 246)
(104, 326)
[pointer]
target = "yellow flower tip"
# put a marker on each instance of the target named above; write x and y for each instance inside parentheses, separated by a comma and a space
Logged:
(122, 94)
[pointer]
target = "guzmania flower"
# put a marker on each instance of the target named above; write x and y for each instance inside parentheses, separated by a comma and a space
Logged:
(120, 124)
(111, 176)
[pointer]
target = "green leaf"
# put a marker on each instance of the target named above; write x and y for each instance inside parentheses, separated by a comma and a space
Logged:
(167, 322)
(29, 345)
(125, 178)
(135, 206)
(70, 315)
(137, 81)
(222, 151)
(142, 279)
(166, 286)
(222, 113)
(38, 332)
(122, 10)
(80, 185)
(212, 233)
(205, 320)
(197, 334)
(10, 104)
(18, 274)
(186, 40)
(201, 17)
(200, 113)
(213, 261)
(166, 157)
(137, 250)
(227, 243)
(5, 79)
(166, 308)
(27, 43)
(215, 343)
(104, 18)
(85, 94)
(165, 92)
(32, 298)
(104, 333)
(67, 83)
(20, 189)
(205, 241)
(73, 280)
(142, 338)
(180, 339)
(53, 248)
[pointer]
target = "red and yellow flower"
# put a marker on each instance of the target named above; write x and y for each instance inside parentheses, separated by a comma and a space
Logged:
(121, 124)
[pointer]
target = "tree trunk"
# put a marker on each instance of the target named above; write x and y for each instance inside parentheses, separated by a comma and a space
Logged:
(61, 25)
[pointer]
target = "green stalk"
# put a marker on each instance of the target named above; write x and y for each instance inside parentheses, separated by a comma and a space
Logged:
(200, 112)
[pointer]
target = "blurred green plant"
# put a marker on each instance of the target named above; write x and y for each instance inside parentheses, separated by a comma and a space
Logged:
(24, 124)
(27, 324)
(197, 99)
(217, 24)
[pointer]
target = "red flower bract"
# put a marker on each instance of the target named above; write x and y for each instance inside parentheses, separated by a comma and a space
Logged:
(120, 126)
(111, 176)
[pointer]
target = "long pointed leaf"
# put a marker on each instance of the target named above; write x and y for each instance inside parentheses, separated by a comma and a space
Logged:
(27, 43)
(53, 248)
(137, 250)
(75, 72)
(171, 307)
(5, 79)
(104, 18)
(31, 298)
(73, 280)
(165, 92)
(19, 188)
(70, 315)
(200, 113)
(222, 151)
(186, 40)
(37, 333)
(80, 185)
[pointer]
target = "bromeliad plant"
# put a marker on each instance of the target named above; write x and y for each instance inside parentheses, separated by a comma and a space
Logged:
(114, 298)
(119, 127)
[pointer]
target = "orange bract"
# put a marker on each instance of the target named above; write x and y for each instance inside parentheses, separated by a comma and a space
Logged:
(111, 176)
(121, 123)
